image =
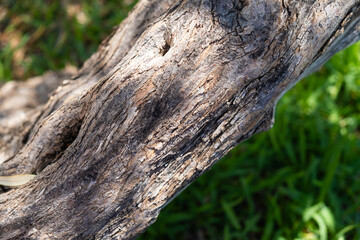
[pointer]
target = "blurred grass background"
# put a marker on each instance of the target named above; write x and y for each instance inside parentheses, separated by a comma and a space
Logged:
(41, 35)
(300, 180)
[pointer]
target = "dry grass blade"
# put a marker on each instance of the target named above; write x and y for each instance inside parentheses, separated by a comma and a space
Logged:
(16, 180)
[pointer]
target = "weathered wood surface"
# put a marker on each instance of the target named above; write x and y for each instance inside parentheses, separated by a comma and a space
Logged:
(173, 89)
(20, 104)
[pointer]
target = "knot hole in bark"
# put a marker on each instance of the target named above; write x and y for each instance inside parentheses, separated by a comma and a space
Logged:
(66, 138)
(167, 43)
(165, 49)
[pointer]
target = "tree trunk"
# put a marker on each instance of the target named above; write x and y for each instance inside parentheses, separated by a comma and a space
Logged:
(174, 88)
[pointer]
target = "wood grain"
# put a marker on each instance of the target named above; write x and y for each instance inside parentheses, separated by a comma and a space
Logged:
(158, 105)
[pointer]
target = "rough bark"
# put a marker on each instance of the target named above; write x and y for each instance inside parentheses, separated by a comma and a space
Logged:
(174, 88)
(20, 104)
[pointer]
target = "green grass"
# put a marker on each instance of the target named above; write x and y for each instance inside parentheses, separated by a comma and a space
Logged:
(41, 35)
(297, 181)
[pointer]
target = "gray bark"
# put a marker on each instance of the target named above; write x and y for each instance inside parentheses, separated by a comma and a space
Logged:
(173, 89)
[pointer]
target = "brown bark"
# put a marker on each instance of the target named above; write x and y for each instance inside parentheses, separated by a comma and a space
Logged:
(169, 93)
(20, 104)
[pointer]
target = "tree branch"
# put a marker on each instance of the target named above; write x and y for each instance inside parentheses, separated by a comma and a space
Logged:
(113, 147)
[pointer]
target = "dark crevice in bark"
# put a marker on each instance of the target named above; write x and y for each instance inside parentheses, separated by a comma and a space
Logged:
(68, 137)
(354, 12)
(165, 49)
(26, 137)
(339, 39)
(210, 123)
(4, 189)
